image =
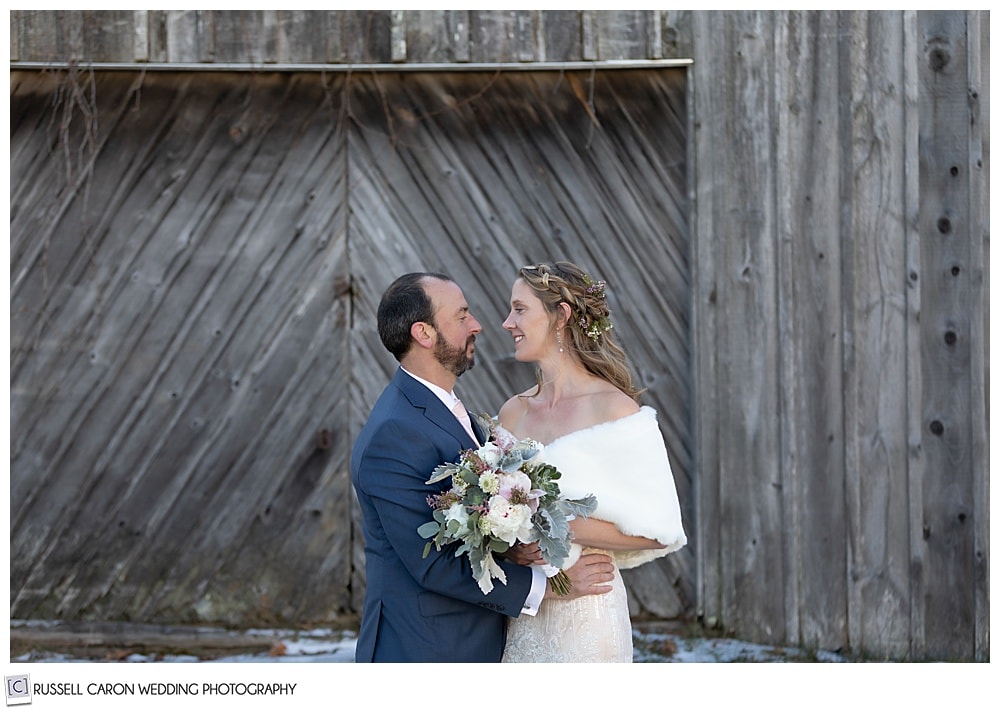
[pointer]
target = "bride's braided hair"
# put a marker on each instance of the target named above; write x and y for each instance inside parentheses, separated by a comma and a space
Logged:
(589, 326)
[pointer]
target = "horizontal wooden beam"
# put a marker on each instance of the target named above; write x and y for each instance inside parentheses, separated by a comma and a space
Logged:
(390, 67)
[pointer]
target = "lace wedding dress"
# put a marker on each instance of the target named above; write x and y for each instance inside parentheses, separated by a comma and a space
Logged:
(591, 629)
(624, 464)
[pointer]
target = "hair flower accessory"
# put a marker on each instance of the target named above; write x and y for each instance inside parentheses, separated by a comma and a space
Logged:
(597, 289)
(595, 327)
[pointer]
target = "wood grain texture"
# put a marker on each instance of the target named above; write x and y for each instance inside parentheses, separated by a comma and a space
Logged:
(947, 601)
(809, 311)
(194, 307)
(173, 316)
(838, 251)
(874, 122)
(255, 37)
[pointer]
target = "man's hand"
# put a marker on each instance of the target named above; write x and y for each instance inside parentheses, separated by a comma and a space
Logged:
(524, 554)
(592, 574)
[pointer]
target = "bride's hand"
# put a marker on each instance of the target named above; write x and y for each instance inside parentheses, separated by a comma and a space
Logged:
(525, 554)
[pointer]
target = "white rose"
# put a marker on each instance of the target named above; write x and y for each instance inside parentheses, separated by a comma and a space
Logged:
(508, 522)
(490, 454)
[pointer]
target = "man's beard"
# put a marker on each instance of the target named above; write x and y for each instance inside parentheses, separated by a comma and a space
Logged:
(455, 360)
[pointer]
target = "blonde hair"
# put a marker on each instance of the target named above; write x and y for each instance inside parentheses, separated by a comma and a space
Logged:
(589, 326)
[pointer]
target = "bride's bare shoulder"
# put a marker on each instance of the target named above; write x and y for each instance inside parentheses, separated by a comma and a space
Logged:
(611, 403)
(514, 409)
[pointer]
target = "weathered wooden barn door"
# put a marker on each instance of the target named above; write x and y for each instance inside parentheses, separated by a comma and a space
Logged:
(476, 174)
(195, 264)
(179, 301)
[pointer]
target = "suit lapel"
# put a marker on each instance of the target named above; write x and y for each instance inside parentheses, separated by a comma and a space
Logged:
(480, 434)
(433, 409)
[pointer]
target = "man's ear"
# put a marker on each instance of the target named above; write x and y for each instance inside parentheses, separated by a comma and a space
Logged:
(423, 334)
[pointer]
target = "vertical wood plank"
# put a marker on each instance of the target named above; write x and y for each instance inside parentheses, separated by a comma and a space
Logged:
(157, 24)
(741, 183)
(493, 36)
(140, 38)
(655, 35)
(336, 45)
(49, 36)
(874, 243)
(792, 338)
(458, 24)
(948, 597)
(107, 35)
(526, 35)
(708, 115)
(354, 36)
(676, 33)
(15, 35)
(241, 36)
(437, 35)
(302, 36)
(398, 35)
(561, 35)
(809, 317)
(270, 21)
(623, 34)
(590, 35)
(915, 271)
(978, 167)
(751, 486)
(186, 37)
(367, 36)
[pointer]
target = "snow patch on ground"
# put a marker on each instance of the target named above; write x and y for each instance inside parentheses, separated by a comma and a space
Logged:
(337, 646)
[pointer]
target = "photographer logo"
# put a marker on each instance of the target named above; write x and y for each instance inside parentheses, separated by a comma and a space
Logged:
(18, 689)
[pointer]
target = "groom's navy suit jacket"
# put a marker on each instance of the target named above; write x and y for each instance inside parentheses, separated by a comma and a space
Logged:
(420, 609)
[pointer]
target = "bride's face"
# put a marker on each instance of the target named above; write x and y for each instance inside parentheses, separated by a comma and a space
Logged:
(529, 324)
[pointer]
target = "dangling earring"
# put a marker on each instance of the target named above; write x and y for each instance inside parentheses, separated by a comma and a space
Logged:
(559, 340)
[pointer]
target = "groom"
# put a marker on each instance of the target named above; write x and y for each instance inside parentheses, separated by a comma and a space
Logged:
(431, 609)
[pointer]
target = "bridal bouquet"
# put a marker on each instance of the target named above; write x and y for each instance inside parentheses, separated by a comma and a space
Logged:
(502, 493)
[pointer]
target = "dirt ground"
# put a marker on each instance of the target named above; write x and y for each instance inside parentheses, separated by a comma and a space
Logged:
(34, 641)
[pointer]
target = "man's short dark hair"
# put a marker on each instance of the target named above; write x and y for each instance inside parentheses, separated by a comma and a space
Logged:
(404, 303)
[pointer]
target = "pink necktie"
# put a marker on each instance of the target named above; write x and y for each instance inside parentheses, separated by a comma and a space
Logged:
(462, 414)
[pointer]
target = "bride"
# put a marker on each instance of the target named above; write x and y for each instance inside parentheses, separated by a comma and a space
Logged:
(584, 410)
